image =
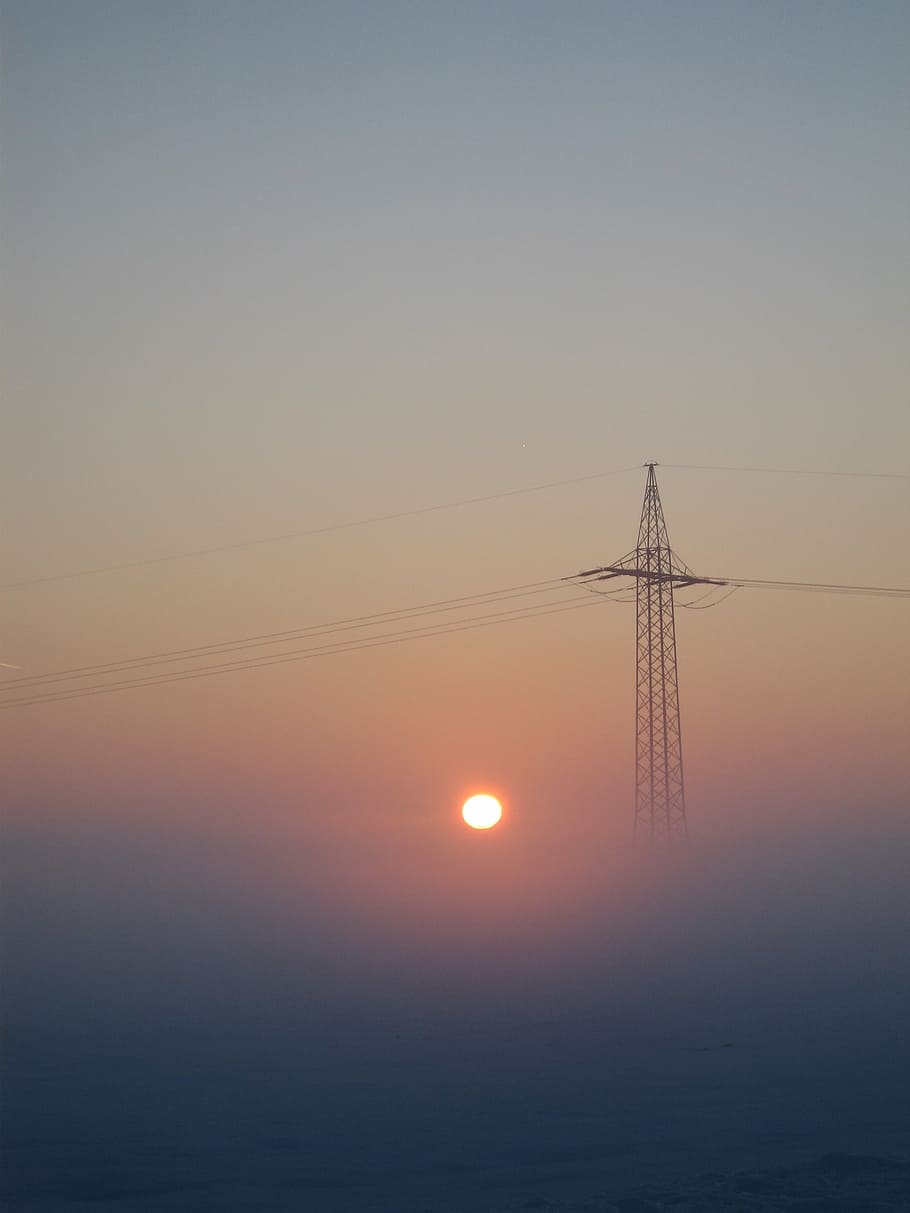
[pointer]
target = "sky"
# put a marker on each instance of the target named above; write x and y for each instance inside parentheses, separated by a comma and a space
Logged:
(268, 268)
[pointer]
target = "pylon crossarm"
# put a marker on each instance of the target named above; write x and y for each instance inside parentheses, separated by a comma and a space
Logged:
(616, 568)
(597, 575)
(678, 579)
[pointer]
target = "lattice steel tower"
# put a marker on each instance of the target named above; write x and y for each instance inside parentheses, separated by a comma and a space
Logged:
(660, 797)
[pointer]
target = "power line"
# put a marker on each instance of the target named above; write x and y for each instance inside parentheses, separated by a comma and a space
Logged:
(607, 572)
(196, 553)
(701, 603)
(436, 629)
(311, 531)
(42, 688)
(464, 602)
(821, 587)
(717, 467)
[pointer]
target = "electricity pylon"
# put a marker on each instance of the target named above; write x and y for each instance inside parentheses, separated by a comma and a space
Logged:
(660, 795)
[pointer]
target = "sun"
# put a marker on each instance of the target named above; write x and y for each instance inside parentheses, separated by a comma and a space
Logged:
(481, 812)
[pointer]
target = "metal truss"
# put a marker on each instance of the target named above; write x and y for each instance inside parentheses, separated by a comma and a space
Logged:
(660, 798)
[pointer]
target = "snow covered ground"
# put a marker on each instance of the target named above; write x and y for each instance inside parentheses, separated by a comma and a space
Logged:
(547, 1116)
(851, 1183)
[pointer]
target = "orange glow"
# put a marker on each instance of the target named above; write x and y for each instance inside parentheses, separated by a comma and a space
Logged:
(481, 812)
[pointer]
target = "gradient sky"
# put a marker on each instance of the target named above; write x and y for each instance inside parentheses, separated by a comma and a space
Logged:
(273, 266)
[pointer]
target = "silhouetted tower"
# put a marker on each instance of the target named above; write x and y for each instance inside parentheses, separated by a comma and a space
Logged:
(660, 796)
